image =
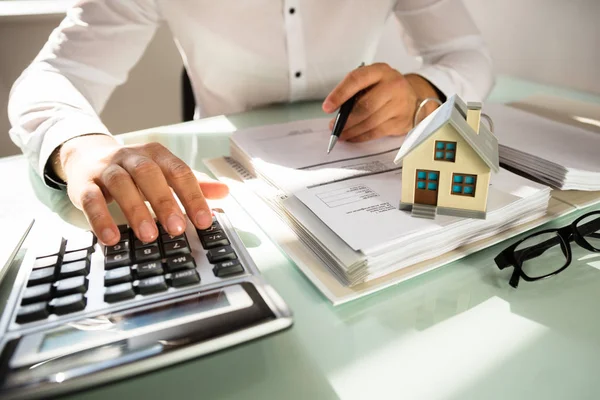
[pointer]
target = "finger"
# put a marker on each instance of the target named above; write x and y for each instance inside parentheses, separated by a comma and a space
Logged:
(211, 188)
(392, 127)
(355, 81)
(183, 181)
(120, 185)
(380, 116)
(149, 178)
(370, 103)
(93, 204)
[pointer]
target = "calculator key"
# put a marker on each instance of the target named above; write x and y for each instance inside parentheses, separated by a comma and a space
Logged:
(76, 256)
(184, 278)
(117, 275)
(228, 268)
(180, 263)
(206, 233)
(68, 304)
(213, 240)
(122, 246)
(45, 262)
(32, 312)
(151, 285)
(80, 241)
(119, 292)
(148, 269)
(77, 268)
(37, 293)
(176, 247)
(161, 229)
(221, 254)
(38, 276)
(117, 260)
(138, 244)
(123, 229)
(211, 229)
(166, 238)
(147, 254)
(76, 284)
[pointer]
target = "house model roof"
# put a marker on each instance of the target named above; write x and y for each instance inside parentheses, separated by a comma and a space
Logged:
(453, 112)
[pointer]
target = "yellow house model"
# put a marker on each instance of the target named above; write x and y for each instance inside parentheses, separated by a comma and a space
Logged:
(446, 163)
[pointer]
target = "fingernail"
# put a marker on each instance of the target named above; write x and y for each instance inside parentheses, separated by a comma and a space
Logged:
(203, 219)
(108, 235)
(327, 106)
(175, 224)
(147, 231)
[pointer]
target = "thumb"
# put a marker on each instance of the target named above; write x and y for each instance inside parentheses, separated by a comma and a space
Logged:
(211, 188)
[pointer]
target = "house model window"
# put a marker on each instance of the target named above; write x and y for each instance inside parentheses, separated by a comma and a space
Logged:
(445, 151)
(427, 180)
(464, 185)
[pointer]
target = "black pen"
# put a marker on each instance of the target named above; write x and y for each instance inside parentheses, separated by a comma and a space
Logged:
(341, 118)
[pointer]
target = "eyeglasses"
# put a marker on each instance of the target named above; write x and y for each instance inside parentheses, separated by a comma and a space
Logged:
(548, 252)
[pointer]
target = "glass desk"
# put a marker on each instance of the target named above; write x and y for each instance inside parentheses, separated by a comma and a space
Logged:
(460, 332)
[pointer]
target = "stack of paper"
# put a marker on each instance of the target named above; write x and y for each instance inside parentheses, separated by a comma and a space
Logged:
(562, 155)
(344, 206)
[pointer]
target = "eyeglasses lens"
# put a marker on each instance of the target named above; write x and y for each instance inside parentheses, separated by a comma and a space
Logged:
(589, 229)
(542, 254)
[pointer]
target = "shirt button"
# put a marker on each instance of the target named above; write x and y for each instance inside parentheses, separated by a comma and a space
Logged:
(298, 74)
(292, 10)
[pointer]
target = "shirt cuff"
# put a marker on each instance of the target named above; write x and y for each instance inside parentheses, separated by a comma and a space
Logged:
(62, 131)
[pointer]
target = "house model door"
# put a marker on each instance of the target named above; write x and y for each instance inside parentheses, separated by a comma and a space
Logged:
(426, 187)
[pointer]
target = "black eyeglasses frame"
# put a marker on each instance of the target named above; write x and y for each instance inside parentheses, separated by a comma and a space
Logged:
(509, 258)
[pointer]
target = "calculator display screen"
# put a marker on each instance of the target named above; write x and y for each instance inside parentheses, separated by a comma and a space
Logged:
(103, 326)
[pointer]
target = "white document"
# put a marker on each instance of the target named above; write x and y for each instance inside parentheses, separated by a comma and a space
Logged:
(355, 190)
(364, 212)
(294, 155)
(564, 145)
(303, 144)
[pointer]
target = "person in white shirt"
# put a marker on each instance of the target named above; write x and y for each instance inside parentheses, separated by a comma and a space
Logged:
(239, 55)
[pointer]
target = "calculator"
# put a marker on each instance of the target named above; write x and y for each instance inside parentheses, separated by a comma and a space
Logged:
(76, 313)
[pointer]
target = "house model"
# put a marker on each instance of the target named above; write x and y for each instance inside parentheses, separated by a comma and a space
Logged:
(447, 161)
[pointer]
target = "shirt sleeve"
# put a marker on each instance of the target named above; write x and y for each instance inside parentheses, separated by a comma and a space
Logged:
(455, 57)
(60, 95)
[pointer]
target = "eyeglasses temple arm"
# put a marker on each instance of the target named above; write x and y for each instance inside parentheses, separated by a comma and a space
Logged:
(501, 261)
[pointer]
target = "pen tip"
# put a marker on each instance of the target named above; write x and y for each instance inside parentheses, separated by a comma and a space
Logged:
(332, 140)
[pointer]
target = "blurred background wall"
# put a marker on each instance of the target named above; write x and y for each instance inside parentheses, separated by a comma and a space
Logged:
(554, 42)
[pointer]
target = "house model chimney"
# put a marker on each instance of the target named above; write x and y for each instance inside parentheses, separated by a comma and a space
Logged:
(474, 115)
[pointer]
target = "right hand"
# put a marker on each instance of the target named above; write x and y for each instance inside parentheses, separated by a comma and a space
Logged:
(98, 169)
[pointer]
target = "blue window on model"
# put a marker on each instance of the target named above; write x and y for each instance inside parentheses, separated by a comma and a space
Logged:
(464, 184)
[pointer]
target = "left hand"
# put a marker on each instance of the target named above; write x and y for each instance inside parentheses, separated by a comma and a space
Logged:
(387, 106)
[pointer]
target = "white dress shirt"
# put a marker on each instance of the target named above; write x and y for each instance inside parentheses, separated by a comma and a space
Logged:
(239, 55)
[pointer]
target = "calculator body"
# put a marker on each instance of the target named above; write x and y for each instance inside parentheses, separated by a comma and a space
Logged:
(125, 310)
